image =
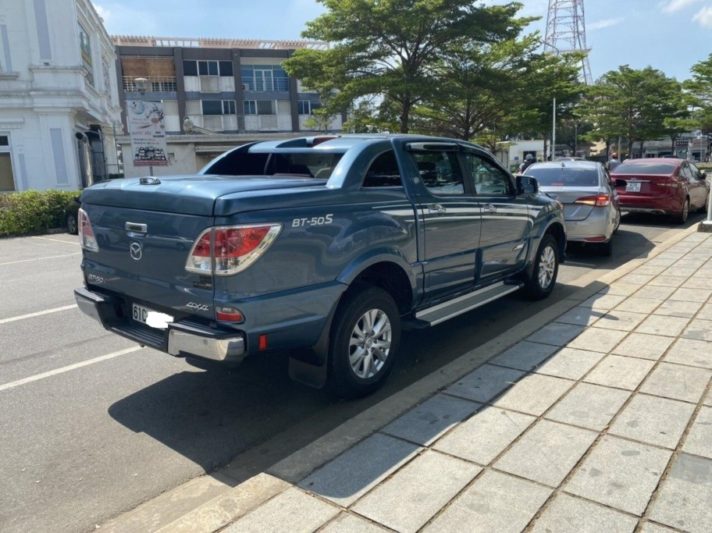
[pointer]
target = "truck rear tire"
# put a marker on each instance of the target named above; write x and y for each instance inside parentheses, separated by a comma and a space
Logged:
(364, 342)
(546, 268)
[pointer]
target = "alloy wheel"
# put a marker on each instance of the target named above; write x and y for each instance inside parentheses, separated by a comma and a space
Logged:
(370, 343)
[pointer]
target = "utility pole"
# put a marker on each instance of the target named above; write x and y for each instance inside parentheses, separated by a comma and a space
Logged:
(553, 131)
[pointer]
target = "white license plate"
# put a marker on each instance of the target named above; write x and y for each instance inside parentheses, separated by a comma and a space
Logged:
(140, 313)
(632, 186)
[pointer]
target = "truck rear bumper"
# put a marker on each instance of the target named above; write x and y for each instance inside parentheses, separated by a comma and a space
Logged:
(182, 338)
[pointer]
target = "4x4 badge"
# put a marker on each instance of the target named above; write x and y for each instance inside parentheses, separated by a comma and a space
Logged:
(135, 251)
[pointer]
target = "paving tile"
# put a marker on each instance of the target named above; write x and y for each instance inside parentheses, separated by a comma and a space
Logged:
(426, 422)
(638, 305)
(621, 372)
(644, 346)
(650, 269)
(407, 500)
(653, 420)
(667, 281)
(620, 288)
(650, 527)
(697, 281)
(567, 514)
(692, 295)
(619, 473)
(300, 511)
(582, 316)
(705, 312)
(678, 308)
(699, 439)
(590, 406)
(663, 325)
(348, 523)
(637, 279)
(484, 383)
(546, 452)
(570, 363)
(597, 339)
(691, 352)
(351, 474)
(677, 382)
(534, 394)
(654, 292)
(620, 320)
(699, 329)
(707, 400)
(485, 435)
(603, 302)
(494, 502)
(679, 270)
(684, 499)
(556, 333)
(524, 355)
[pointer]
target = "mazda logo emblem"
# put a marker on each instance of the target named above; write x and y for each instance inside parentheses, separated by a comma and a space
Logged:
(136, 251)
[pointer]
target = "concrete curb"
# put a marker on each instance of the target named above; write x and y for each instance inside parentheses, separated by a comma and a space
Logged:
(209, 502)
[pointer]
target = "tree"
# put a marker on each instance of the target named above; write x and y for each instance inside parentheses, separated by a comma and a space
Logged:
(699, 87)
(389, 48)
(639, 105)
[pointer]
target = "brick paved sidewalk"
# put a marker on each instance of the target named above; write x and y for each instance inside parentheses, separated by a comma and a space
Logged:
(600, 421)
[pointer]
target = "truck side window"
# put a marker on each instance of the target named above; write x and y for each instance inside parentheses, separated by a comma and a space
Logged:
(488, 180)
(440, 171)
(383, 172)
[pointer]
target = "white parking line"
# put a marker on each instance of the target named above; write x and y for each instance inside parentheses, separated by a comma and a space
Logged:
(39, 258)
(56, 240)
(38, 313)
(68, 368)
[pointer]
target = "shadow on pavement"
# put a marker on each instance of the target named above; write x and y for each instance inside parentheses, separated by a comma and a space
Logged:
(255, 416)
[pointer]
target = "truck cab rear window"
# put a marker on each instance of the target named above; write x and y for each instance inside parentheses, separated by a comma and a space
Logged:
(316, 165)
(383, 172)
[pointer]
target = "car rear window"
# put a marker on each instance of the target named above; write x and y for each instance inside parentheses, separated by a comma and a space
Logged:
(564, 176)
(635, 167)
(313, 164)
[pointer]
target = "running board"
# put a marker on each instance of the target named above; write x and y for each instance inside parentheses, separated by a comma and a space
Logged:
(462, 304)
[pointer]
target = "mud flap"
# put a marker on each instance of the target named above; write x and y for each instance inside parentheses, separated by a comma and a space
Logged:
(311, 367)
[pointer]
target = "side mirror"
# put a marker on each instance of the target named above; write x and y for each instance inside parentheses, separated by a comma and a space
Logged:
(527, 185)
(620, 183)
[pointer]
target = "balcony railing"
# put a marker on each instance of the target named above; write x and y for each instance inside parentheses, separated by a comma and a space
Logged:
(156, 84)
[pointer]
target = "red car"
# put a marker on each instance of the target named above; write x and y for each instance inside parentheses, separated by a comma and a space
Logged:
(663, 186)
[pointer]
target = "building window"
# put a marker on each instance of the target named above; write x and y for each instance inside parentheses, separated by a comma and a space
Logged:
(259, 107)
(307, 107)
(218, 107)
(85, 46)
(7, 180)
(264, 78)
(207, 68)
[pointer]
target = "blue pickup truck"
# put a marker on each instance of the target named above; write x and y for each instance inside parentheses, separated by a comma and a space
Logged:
(327, 247)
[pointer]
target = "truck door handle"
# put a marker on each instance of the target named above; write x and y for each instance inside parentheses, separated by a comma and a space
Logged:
(437, 208)
(135, 227)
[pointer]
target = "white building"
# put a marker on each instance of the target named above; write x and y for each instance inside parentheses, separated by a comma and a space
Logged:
(59, 104)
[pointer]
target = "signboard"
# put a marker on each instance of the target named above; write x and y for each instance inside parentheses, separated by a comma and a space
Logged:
(147, 132)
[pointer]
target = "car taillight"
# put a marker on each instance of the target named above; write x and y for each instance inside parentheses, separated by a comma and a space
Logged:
(227, 250)
(600, 200)
(87, 239)
(670, 182)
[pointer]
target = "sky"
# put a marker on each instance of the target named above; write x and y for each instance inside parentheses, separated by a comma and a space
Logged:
(670, 35)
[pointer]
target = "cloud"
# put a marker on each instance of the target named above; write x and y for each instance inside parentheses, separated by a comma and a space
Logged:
(604, 23)
(104, 13)
(704, 17)
(672, 6)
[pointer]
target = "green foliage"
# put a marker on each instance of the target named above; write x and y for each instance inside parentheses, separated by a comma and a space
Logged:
(390, 49)
(699, 87)
(23, 213)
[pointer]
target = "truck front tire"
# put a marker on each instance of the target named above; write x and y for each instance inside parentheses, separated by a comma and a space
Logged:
(364, 342)
(546, 268)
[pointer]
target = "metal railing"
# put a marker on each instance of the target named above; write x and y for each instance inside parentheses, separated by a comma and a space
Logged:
(157, 84)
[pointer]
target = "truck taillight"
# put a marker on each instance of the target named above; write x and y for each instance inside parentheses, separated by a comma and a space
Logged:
(600, 200)
(87, 239)
(227, 250)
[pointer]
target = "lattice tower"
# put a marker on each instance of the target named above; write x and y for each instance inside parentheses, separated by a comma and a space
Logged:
(566, 31)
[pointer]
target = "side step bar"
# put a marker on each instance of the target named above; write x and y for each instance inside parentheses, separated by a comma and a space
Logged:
(462, 304)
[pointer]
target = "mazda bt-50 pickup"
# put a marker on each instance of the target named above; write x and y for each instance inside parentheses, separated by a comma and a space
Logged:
(326, 247)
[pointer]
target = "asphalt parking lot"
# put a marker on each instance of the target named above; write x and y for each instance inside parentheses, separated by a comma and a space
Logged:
(92, 425)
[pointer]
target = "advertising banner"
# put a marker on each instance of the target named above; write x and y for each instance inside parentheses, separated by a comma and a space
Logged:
(147, 132)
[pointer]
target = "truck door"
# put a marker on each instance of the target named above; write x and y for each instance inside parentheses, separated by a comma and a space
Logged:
(450, 219)
(505, 218)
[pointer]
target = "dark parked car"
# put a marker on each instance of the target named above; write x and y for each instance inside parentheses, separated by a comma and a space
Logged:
(662, 186)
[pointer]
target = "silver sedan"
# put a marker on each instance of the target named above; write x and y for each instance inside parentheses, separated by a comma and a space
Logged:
(589, 197)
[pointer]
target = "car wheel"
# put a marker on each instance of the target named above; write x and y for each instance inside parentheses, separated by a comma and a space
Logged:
(682, 217)
(71, 223)
(546, 269)
(364, 342)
